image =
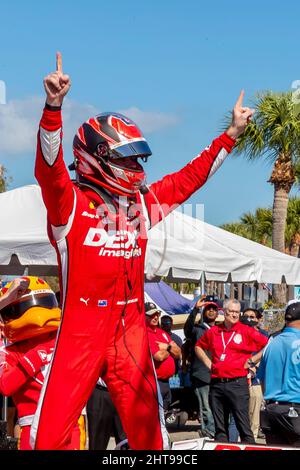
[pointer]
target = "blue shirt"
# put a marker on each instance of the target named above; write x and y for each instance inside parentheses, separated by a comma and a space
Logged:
(280, 367)
(255, 380)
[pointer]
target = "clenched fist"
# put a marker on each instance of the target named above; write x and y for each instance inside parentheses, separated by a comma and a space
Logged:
(57, 84)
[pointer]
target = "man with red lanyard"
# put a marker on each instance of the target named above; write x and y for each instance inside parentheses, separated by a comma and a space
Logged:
(231, 344)
(163, 351)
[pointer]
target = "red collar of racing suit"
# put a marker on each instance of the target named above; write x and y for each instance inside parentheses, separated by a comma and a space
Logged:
(98, 196)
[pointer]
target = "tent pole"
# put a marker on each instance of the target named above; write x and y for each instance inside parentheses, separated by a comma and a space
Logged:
(4, 409)
(202, 283)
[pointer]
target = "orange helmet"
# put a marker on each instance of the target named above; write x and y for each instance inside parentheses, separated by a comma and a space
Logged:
(34, 313)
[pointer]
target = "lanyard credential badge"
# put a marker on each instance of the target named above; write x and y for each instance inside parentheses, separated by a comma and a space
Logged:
(223, 355)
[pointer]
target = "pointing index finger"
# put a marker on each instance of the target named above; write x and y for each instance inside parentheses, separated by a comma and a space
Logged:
(59, 62)
(239, 102)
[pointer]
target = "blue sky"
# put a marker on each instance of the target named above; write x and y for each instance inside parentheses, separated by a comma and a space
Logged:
(177, 67)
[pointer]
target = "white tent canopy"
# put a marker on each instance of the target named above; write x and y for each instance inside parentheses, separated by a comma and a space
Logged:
(182, 247)
(23, 233)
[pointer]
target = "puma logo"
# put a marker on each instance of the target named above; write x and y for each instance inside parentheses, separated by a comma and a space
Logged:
(84, 301)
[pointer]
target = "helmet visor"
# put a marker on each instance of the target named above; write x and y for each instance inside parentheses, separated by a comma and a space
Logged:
(16, 310)
(129, 163)
(138, 148)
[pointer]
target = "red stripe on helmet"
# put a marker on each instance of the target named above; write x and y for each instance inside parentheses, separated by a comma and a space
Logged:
(81, 135)
(128, 130)
(95, 124)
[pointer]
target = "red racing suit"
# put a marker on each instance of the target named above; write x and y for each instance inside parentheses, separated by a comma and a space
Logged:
(23, 367)
(101, 261)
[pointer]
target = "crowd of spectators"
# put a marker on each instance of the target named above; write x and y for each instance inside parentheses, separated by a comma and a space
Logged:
(254, 380)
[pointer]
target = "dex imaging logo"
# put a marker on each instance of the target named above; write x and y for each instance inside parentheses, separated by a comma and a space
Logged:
(2, 92)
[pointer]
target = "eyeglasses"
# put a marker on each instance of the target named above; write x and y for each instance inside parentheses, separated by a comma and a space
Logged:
(253, 317)
(233, 311)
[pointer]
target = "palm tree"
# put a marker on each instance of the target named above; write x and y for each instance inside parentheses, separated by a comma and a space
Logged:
(274, 134)
(259, 225)
(4, 180)
(256, 227)
(237, 228)
(292, 231)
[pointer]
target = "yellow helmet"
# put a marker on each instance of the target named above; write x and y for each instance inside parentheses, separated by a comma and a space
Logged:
(34, 313)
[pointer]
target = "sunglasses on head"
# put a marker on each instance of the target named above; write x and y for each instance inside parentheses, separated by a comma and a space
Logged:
(14, 311)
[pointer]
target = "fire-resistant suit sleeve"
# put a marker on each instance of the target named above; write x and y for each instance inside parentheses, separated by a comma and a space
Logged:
(50, 170)
(174, 189)
(12, 375)
(17, 369)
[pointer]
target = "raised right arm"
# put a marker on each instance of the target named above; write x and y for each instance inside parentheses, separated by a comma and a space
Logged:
(50, 169)
(189, 327)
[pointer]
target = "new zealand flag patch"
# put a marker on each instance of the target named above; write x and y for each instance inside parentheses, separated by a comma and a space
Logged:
(102, 303)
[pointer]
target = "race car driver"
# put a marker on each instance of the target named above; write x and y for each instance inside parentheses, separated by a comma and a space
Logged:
(98, 228)
(30, 318)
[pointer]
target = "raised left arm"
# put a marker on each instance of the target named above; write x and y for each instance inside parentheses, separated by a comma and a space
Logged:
(176, 188)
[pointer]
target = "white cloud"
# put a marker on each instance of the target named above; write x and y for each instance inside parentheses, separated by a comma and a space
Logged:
(150, 121)
(19, 121)
(18, 125)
